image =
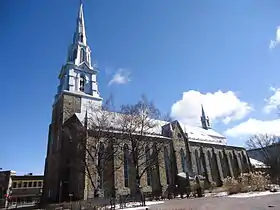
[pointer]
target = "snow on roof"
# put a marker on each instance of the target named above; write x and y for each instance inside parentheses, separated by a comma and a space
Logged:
(198, 134)
(195, 134)
(115, 118)
(257, 163)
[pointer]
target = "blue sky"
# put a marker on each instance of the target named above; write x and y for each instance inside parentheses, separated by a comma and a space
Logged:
(160, 48)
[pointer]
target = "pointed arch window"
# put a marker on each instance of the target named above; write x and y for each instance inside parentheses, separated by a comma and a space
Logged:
(149, 171)
(183, 160)
(166, 162)
(83, 55)
(82, 83)
(101, 164)
(199, 163)
(126, 165)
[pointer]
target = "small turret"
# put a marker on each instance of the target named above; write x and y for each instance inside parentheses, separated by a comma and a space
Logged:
(205, 123)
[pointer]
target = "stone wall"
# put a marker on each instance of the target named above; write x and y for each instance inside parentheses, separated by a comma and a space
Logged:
(215, 162)
(71, 105)
(63, 109)
(219, 161)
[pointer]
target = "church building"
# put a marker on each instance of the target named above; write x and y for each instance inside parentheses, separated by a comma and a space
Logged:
(189, 150)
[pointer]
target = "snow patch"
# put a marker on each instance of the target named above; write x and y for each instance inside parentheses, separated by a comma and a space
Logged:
(252, 194)
(219, 194)
(257, 163)
(135, 205)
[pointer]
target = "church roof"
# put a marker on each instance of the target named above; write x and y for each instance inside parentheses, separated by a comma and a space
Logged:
(198, 134)
(257, 163)
(114, 120)
(195, 134)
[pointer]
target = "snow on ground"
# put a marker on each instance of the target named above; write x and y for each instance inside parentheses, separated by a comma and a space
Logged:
(219, 194)
(252, 194)
(135, 206)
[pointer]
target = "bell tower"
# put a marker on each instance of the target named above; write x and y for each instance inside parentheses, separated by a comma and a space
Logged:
(78, 75)
(77, 90)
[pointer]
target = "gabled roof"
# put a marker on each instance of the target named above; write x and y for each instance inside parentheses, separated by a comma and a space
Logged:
(257, 163)
(114, 118)
(195, 134)
(199, 134)
(85, 66)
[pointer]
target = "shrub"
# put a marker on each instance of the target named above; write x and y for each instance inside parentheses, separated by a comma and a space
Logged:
(246, 182)
(231, 185)
(209, 185)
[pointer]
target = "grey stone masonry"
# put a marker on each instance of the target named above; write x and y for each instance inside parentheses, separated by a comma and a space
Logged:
(162, 172)
(207, 165)
(236, 156)
(229, 163)
(210, 160)
(245, 163)
(219, 166)
(194, 162)
(71, 105)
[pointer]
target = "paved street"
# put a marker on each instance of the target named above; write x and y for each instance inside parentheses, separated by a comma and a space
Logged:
(269, 202)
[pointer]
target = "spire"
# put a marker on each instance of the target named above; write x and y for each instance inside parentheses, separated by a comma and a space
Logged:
(202, 112)
(204, 120)
(79, 52)
(78, 75)
(80, 34)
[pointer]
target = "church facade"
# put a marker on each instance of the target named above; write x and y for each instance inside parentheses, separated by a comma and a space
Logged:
(188, 149)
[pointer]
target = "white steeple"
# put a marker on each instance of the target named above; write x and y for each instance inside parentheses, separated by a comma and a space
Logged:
(80, 34)
(78, 76)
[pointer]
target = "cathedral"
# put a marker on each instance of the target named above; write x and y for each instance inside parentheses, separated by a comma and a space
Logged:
(188, 150)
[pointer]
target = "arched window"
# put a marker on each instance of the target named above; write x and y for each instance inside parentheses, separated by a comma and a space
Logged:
(183, 160)
(166, 162)
(244, 163)
(83, 56)
(199, 164)
(224, 164)
(240, 160)
(101, 164)
(126, 165)
(82, 83)
(233, 164)
(148, 166)
(179, 135)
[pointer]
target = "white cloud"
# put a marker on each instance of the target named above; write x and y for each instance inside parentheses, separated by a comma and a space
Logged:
(253, 126)
(223, 106)
(122, 76)
(276, 41)
(273, 102)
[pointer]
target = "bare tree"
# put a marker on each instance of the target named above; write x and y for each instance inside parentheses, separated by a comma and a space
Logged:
(97, 145)
(139, 127)
(101, 140)
(167, 117)
(267, 146)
